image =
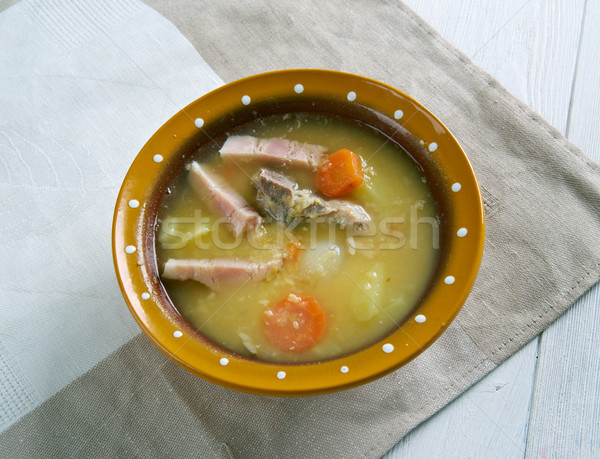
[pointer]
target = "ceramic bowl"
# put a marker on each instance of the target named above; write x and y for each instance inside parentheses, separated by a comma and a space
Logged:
(392, 112)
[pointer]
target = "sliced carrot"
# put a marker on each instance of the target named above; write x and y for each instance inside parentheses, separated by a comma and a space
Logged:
(340, 173)
(292, 251)
(295, 323)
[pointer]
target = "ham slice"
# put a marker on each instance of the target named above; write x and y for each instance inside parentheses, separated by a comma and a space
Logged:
(273, 150)
(219, 274)
(225, 202)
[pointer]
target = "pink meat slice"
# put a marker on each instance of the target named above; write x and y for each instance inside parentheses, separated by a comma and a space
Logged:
(218, 274)
(225, 201)
(274, 150)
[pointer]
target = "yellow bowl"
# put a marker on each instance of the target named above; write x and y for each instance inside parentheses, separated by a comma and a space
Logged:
(392, 112)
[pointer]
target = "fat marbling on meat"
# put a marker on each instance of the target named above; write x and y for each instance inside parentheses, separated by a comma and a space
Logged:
(225, 201)
(218, 274)
(276, 150)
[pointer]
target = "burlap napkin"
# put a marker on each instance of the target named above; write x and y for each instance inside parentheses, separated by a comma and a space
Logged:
(542, 252)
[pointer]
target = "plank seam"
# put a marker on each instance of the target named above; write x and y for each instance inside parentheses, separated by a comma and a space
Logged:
(575, 73)
(533, 391)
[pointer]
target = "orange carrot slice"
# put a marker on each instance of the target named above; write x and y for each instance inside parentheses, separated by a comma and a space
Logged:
(340, 173)
(292, 251)
(295, 323)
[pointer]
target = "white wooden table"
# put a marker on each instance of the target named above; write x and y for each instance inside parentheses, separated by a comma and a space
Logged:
(544, 401)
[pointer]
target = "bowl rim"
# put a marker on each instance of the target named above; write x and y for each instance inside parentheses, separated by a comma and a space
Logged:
(140, 286)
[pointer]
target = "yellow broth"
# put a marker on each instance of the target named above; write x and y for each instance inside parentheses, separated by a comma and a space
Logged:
(365, 293)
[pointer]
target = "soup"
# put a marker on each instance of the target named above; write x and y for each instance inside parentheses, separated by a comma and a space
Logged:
(298, 238)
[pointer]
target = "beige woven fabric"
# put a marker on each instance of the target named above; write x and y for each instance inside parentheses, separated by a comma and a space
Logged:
(540, 193)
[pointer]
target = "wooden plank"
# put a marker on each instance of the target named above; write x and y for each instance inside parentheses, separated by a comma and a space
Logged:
(565, 413)
(522, 44)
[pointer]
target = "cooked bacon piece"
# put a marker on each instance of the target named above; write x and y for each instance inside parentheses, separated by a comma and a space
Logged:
(225, 201)
(274, 150)
(218, 274)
